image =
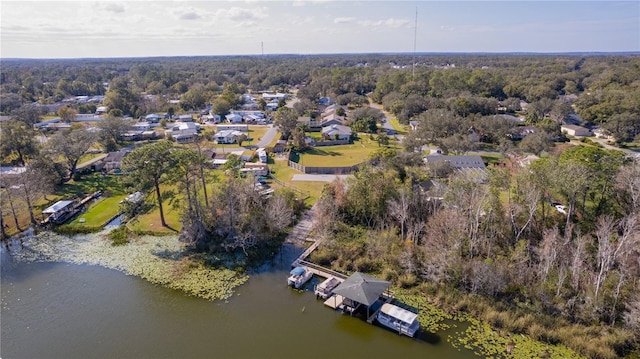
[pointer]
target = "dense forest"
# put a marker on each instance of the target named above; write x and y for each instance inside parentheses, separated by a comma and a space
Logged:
(498, 248)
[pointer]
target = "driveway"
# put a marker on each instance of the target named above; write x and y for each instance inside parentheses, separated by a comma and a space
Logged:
(268, 137)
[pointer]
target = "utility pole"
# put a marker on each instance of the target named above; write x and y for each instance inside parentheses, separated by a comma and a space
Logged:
(415, 36)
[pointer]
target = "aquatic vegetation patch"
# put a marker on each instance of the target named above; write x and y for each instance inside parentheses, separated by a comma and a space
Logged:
(478, 336)
(160, 260)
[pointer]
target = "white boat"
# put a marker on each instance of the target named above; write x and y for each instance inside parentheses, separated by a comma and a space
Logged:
(298, 277)
(325, 289)
(398, 319)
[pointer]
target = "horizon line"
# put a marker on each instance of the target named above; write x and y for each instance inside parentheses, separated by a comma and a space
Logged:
(631, 52)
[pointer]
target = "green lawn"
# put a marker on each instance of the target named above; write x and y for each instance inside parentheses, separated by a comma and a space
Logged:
(284, 173)
(338, 156)
(150, 222)
(397, 126)
(99, 212)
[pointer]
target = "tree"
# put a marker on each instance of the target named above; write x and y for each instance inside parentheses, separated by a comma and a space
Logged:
(220, 106)
(536, 142)
(148, 167)
(365, 119)
(286, 119)
(17, 142)
(67, 114)
(28, 114)
(240, 139)
(112, 128)
(70, 145)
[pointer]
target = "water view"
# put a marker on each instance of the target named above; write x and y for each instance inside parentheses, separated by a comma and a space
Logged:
(61, 310)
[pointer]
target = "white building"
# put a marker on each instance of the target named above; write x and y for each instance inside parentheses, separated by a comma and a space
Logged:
(182, 132)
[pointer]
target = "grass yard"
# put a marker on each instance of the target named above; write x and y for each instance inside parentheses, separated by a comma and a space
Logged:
(284, 173)
(99, 212)
(256, 132)
(338, 156)
(150, 222)
(402, 130)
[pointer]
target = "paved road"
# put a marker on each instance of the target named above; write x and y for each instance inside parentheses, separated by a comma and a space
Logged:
(268, 136)
(386, 125)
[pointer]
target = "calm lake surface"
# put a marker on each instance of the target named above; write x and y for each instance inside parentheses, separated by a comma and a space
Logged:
(59, 310)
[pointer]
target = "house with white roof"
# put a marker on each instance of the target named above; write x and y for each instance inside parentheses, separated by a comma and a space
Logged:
(233, 118)
(227, 136)
(182, 132)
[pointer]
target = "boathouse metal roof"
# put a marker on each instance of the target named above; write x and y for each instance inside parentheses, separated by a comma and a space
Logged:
(399, 313)
(57, 207)
(362, 288)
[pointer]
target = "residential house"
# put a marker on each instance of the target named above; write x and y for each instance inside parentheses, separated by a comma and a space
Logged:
(142, 126)
(471, 165)
(521, 132)
(272, 106)
(227, 136)
(258, 169)
(576, 131)
(185, 118)
(183, 132)
(153, 118)
(233, 118)
(262, 155)
(325, 101)
(337, 132)
(280, 146)
(274, 97)
(243, 128)
(101, 110)
(112, 162)
(332, 120)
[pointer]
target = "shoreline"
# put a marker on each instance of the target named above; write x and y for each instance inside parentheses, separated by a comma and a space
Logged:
(158, 260)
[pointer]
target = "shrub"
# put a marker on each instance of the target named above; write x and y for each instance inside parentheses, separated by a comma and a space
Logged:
(119, 236)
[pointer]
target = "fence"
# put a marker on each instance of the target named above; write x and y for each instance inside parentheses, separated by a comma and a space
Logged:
(302, 193)
(322, 170)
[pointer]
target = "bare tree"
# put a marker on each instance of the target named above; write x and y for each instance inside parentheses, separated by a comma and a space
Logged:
(631, 316)
(278, 213)
(399, 208)
(548, 253)
(628, 181)
(606, 249)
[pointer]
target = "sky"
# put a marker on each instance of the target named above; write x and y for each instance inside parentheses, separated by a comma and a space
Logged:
(140, 28)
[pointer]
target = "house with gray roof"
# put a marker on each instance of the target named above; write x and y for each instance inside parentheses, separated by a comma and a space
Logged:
(337, 132)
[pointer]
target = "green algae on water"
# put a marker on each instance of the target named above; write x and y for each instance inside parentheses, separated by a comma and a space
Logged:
(159, 260)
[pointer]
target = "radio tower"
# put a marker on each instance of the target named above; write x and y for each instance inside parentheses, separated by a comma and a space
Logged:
(415, 36)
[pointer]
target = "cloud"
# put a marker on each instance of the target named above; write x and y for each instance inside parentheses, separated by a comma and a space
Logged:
(299, 3)
(241, 14)
(190, 16)
(113, 7)
(391, 22)
(342, 20)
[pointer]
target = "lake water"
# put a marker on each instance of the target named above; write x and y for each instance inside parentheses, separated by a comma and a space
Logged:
(59, 310)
